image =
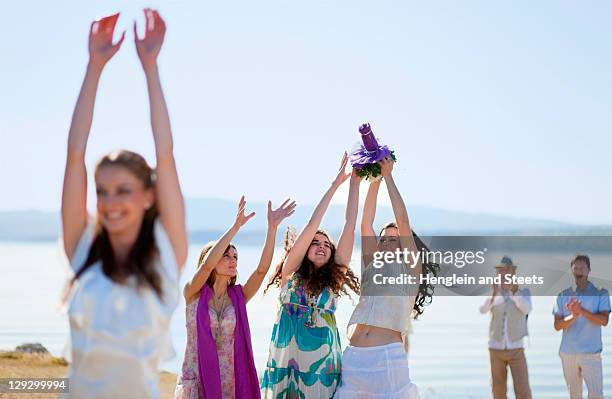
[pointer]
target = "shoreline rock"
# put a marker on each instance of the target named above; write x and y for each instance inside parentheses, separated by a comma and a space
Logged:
(32, 348)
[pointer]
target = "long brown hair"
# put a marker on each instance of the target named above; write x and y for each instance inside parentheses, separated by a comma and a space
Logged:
(213, 275)
(331, 275)
(426, 290)
(144, 251)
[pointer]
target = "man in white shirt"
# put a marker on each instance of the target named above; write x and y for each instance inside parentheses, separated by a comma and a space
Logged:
(509, 306)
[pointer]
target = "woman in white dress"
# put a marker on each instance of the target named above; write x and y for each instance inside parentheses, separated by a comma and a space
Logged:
(126, 259)
(379, 326)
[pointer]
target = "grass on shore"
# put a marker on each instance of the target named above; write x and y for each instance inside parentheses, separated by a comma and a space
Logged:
(33, 365)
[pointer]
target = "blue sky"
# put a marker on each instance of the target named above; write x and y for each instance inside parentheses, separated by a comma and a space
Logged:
(492, 107)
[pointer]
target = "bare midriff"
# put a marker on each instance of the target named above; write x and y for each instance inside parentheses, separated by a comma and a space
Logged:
(366, 336)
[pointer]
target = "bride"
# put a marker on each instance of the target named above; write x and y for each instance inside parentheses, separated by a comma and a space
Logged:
(379, 326)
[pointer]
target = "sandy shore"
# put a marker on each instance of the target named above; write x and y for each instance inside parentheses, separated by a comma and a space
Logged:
(16, 364)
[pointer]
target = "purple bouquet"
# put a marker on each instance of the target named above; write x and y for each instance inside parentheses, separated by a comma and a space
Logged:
(366, 156)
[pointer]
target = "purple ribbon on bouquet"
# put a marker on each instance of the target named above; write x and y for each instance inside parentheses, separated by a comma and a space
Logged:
(370, 151)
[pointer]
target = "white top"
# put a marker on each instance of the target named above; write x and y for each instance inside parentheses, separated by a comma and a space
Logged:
(523, 303)
(386, 311)
(120, 332)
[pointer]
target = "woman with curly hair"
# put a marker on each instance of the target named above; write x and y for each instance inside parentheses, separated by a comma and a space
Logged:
(379, 326)
(305, 352)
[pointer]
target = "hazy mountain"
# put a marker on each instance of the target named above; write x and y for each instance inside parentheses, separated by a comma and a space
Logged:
(207, 218)
(29, 226)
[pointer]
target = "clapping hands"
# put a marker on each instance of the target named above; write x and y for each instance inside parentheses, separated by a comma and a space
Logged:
(574, 306)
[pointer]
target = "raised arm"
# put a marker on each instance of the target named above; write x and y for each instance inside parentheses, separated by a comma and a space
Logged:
(74, 193)
(368, 235)
(275, 217)
(346, 241)
(302, 242)
(167, 189)
(400, 212)
(216, 253)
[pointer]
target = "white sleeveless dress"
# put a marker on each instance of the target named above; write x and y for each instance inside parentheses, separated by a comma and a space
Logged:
(118, 332)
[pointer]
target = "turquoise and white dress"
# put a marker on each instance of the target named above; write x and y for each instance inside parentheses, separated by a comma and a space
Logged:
(305, 353)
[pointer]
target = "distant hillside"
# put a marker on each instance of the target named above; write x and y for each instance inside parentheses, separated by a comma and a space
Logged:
(29, 226)
(207, 218)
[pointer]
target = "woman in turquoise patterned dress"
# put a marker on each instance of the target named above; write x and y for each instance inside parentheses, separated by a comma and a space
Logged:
(305, 352)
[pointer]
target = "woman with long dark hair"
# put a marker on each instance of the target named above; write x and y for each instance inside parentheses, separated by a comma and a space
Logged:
(379, 326)
(127, 259)
(218, 359)
(305, 352)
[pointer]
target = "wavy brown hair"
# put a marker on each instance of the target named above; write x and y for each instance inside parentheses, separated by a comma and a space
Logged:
(213, 275)
(426, 290)
(331, 275)
(140, 261)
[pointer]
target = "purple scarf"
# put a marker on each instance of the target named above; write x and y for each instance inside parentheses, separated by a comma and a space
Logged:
(246, 381)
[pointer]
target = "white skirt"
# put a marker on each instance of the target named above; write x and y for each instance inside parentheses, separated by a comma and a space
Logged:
(379, 372)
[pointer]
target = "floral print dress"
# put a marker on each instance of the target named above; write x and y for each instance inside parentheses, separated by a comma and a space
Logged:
(305, 352)
(188, 385)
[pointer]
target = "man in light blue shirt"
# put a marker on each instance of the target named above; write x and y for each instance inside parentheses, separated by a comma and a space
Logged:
(581, 311)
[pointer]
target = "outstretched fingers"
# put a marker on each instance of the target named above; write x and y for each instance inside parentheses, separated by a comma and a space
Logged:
(117, 45)
(248, 217)
(136, 38)
(240, 217)
(241, 203)
(112, 22)
(287, 208)
(158, 22)
(290, 207)
(344, 161)
(105, 25)
(154, 23)
(101, 47)
(285, 202)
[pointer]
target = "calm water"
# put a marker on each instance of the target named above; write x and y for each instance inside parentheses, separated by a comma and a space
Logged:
(448, 358)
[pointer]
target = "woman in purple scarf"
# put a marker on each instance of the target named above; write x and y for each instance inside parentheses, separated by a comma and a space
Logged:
(218, 359)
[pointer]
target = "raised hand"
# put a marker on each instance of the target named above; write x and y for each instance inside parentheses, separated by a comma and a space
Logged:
(386, 166)
(149, 46)
(276, 216)
(241, 218)
(355, 175)
(101, 47)
(342, 174)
